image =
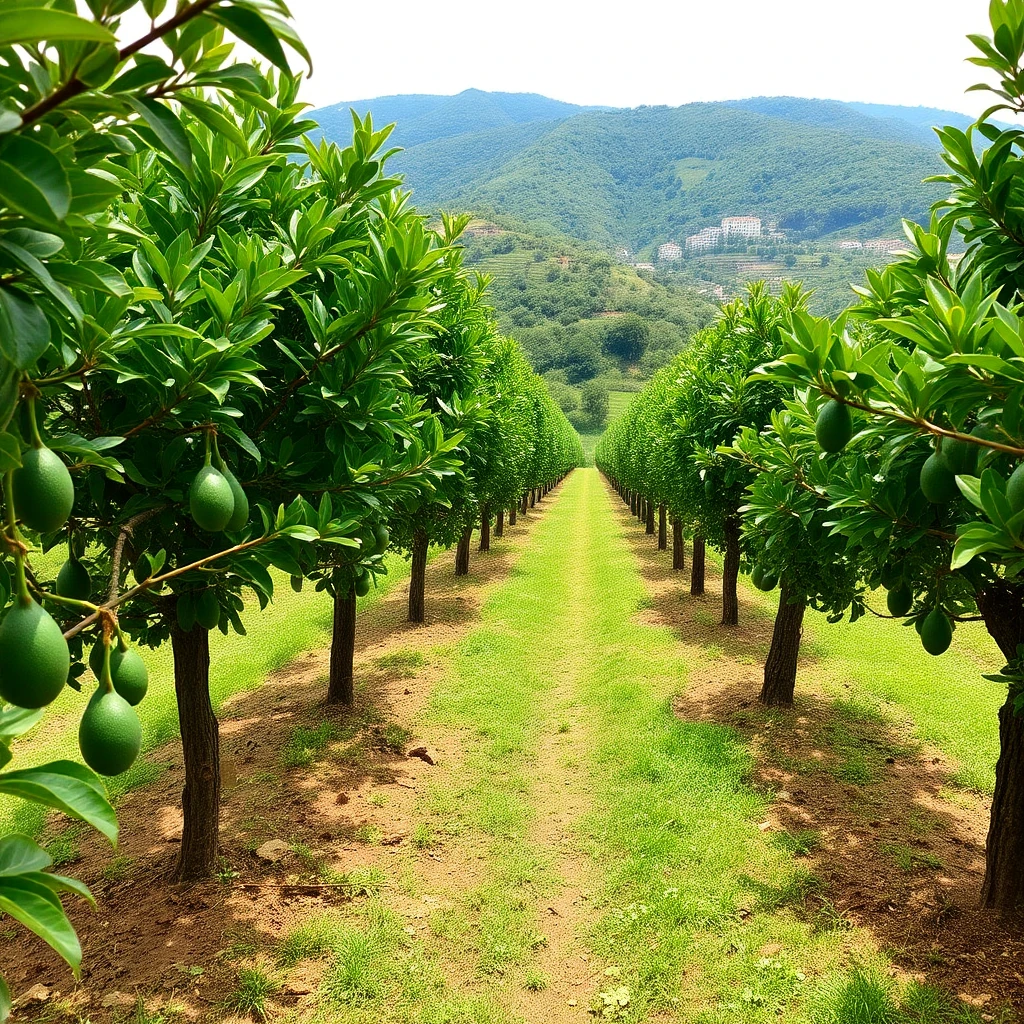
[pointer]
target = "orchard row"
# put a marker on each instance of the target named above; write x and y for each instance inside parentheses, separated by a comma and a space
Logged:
(225, 349)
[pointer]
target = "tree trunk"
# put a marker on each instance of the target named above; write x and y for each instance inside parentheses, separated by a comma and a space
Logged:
(340, 685)
(1002, 607)
(649, 511)
(730, 574)
(499, 523)
(512, 515)
(522, 504)
(662, 528)
(697, 568)
(485, 528)
(200, 747)
(632, 502)
(678, 545)
(462, 552)
(780, 668)
(418, 576)
(533, 496)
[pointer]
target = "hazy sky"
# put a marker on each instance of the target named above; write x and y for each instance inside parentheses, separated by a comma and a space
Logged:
(648, 51)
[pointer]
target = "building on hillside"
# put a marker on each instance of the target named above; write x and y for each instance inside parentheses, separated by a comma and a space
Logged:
(622, 254)
(670, 251)
(741, 227)
(643, 266)
(851, 243)
(708, 238)
(886, 246)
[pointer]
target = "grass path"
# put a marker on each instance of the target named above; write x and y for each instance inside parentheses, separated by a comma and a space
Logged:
(609, 856)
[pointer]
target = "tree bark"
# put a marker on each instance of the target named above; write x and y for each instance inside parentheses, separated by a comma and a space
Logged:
(730, 574)
(485, 528)
(678, 545)
(697, 568)
(780, 668)
(533, 496)
(522, 504)
(462, 552)
(200, 746)
(649, 512)
(662, 528)
(512, 515)
(632, 502)
(1002, 607)
(499, 523)
(340, 685)
(418, 576)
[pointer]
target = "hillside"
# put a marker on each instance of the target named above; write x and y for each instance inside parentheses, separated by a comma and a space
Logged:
(639, 177)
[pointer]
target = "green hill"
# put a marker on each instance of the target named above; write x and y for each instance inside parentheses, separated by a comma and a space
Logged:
(640, 177)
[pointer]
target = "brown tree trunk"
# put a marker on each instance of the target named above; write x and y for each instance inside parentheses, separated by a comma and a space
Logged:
(499, 523)
(662, 528)
(697, 567)
(485, 528)
(632, 502)
(649, 513)
(522, 504)
(730, 574)
(462, 552)
(1002, 607)
(512, 515)
(533, 496)
(418, 576)
(340, 685)
(780, 668)
(200, 747)
(678, 545)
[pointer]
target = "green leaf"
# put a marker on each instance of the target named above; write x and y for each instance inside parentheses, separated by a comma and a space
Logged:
(10, 458)
(32, 180)
(5, 1001)
(252, 29)
(67, 786)
(41, 24)
(24, 329)
(166, 127)
(18, 854)
(39, 909)
(16, 722)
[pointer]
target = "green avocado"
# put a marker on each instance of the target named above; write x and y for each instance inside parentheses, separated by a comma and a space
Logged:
(382, 537)
(938, 484)
(74, 581)
(959, 457)
(211, 500)
(34, 656)
(208, 609)
(43, 491)
(362, 584)
(936, 632)
(900, 600)
(240, 517)
(109, 734)
(834, 426)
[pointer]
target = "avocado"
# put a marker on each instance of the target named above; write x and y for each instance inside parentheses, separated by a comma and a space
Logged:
(959, 457)
(1015, 489)
(208, 609)
(382, 536)
(240, 516)
(43, 491)
(34, 656)
(936, 632)
(938, 484)
(110, 733)
(834, 426)
(73, 581)
(900, 600)
(211, 500)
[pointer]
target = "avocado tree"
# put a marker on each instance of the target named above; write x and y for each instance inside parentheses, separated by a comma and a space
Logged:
(80, 111)
(920, 408)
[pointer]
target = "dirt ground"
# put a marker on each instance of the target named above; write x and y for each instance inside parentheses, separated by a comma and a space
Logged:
(890, 851)
(347, 813)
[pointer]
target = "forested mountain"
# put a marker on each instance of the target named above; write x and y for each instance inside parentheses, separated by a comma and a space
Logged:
(639, 177)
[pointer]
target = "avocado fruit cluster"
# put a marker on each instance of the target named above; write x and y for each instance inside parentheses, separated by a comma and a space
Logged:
(216, 500)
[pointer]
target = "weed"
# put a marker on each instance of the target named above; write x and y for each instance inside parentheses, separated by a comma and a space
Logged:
(376, 799)
(800, 843)
(534, 981)
(63, 847)
(118, 868)
(423, 836)
(402, 664)
(909, 859)
(713, 652)
(253, 990)
(563, 726)
(394, 737)
(306, 745)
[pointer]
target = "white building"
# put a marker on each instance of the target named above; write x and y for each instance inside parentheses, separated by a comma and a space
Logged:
(889, 246)
(708, 238)
(742, 227)
(850, 243)
(670, 251)
(643, 266)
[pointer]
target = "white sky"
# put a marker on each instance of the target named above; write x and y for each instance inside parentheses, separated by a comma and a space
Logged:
(909, 52)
